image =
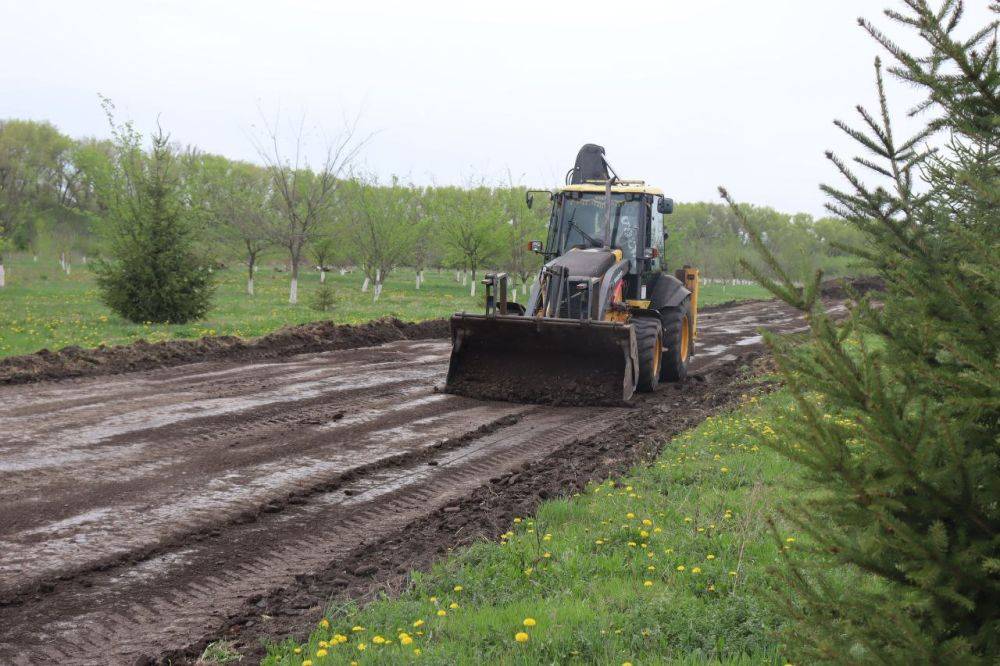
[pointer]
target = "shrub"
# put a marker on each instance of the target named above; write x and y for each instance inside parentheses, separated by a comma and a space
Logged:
(898, 417)
(323, 299)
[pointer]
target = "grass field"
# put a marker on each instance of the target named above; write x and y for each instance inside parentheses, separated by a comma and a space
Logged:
(42, 307)
(667, 565)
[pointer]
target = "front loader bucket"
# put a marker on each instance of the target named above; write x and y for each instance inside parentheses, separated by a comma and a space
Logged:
(544, 360)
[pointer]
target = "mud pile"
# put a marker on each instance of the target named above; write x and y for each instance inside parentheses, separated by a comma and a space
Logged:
(318, 336)
(841, 288)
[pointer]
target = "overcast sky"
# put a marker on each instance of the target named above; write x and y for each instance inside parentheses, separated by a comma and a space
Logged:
(684, 94)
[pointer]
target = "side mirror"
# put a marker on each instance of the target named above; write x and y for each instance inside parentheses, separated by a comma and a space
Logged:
(665, 206)
(529, 199)
(535, 246)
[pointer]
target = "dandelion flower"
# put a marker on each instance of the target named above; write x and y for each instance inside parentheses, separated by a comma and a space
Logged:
(696, 570)
(732, 573)
(321, 652)
(405, 639)
(790, 540)
(442, 613)
(687, 519)
(377, 640)
(307, 662)
(297, 650)
(458, 588)
(630, 515)
(357, 628)
(528, 571)
(418, 623)
(710, 556)
(647, 583)
(547, 555)
(453, 605)
(680, 567)
(325, 623)
(547, 537)
(521, 637)
(416, 651)
(647, 522)
(529, 622)
(362, 647)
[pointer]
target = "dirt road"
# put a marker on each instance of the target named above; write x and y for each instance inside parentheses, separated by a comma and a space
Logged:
(141, 513)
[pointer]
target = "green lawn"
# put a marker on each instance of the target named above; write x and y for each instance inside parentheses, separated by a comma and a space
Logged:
(42, 307)
(667, 565)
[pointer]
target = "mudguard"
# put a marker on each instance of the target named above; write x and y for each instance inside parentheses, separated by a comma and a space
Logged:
(667, 292)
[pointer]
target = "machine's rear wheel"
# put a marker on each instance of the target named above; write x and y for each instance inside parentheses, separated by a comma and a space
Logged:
(677, 341)
(649, 346)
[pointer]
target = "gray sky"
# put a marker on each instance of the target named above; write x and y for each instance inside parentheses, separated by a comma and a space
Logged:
(685, 94)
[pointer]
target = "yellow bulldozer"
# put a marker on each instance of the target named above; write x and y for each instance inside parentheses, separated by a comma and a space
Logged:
(604, 317)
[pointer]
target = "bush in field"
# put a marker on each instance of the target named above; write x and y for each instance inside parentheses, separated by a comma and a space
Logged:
(898, 419)
(323, 299)
(153, 273)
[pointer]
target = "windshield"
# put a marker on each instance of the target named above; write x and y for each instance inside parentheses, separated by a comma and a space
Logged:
(580, 223)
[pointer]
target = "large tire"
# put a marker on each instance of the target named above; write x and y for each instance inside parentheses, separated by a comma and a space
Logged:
(649, 346)
(678, 341)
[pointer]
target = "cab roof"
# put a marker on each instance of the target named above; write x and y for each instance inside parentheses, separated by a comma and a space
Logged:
(626, 186)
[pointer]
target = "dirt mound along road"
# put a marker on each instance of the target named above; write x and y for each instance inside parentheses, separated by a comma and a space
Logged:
(143, 512)
(314, 337)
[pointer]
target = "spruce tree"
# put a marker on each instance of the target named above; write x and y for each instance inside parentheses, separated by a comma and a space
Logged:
(153, 273)
(897, 428)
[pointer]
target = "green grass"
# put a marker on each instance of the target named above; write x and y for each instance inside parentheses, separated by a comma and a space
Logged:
(42, 307)
(667, 565)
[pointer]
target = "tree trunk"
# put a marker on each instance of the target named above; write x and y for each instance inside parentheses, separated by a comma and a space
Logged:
(364, 286)
(293, 292)
(3, 277)
(472, 291)
(251, 269)
(418, 279)
(69, 268)
(322, 276)
(378, 286)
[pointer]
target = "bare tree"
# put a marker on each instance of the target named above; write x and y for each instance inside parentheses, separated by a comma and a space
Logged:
(384, 223)
(303, 197)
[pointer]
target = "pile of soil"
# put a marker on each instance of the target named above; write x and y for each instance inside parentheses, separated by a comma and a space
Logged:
(841, 288)
(314, 337)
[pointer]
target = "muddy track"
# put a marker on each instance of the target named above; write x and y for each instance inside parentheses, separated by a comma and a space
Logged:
(142, 514)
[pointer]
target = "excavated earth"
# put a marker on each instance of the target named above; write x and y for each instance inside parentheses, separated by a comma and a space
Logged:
(146, 513)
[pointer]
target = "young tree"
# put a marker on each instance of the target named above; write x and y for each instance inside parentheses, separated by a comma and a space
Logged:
(323, 251)
(384, 228)
(153, 273)
(523, 225)
(898, 414)
(304, 197)
(236, 197)
(469, 220)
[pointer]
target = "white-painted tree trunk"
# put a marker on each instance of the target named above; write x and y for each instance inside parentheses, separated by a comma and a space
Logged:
(62, 260)
(364, 286)
(322, 276)
(343, 271)
(3, 277)
(84, 260)
(293, 292)
(513, 294)
(69, 268)
(458, 276)
(250, 287)
(465, 278)
(472, 291)
(376, 292)
(35, 258)
(418, 280)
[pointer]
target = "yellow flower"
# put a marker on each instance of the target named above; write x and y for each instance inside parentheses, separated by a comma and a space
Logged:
(732, 573)
(626, 663)
(377, 640)
(321, 652)
(647, 583)
(680, 567)
(416, 651)
(307, 662)
(547, 555)
(325, 623)
(647, 522)
(405, 639)
(357, 628)
(453, 605)
(529, 622)
(650, 568)
(632, 544)
(521, 637)
(362, 647)
(458, 588)
(643, 533)
(724, 470)
(297, 650)
(790, 540)
(687, 519)
(630, 515)
(517, 520)
(696, 570)
(433, 599)
(547, 537)
(710, 557)
(442, 613)
(527, 572)
(418, 623)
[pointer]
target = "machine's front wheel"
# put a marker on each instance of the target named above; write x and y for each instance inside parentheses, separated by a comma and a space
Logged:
(649, 346)
(677, 341)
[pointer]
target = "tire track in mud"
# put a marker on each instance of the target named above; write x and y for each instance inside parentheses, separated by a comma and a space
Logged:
(138, 524)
